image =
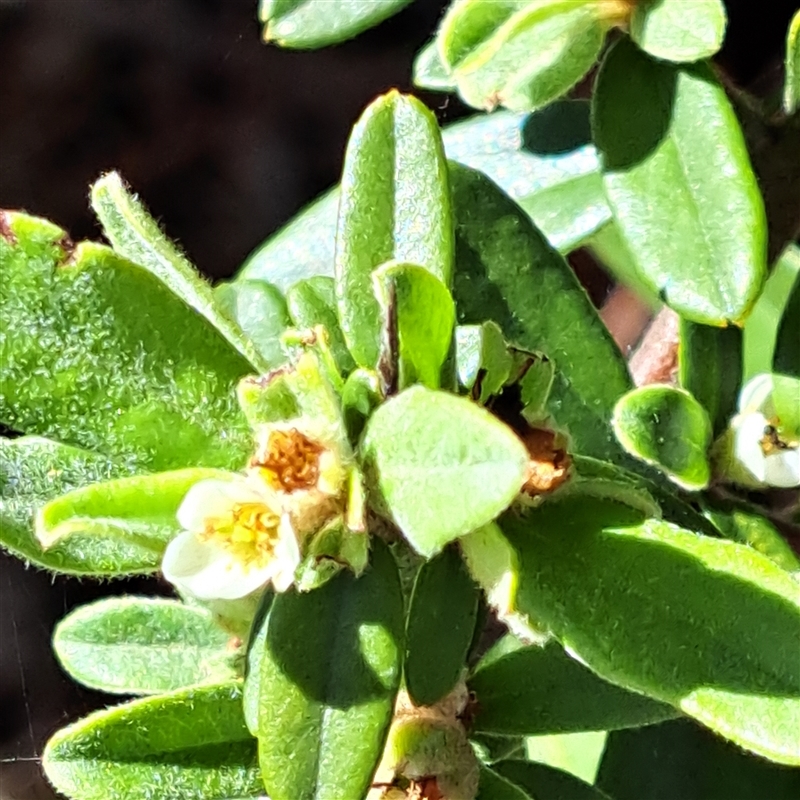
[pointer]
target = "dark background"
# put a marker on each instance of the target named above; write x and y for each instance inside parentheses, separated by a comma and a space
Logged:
(225, 138)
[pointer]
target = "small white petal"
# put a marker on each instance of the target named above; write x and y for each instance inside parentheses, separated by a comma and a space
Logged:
(287, 556)
(749, 431)
(213, 498)
(208, 572)
(755, 393)
(783, 469)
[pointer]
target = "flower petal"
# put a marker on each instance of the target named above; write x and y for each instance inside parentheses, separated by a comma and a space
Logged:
(214, 498)
(287, 556)
(749, 431)
(755, 393)
(208, 572)
(782, 469)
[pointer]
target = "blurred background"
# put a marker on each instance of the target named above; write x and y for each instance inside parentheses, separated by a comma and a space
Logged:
(225, 138)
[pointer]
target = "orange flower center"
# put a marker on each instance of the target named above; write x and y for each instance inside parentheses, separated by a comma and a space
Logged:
(289, 461)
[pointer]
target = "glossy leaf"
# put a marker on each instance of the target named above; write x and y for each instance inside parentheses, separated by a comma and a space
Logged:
(424, 316)
(531, 691)
(329, 672)
(679, 30)
(82, 364)
(429, 72)
(680, 759)
(605, 581)
(791, 91)
(441, 621)
(34, 471)
(137, 511)
(309, 24)
(668, 428)
(313, 302)
(751, 528)
(684, 196)
(495, 787)
(761, 328)
(260, 310)
(519, 55)
(394, 205)
(710, 369)
(547, 783)
(135, 235)
(787, 343)
(509, 274)
(483, 359)
(186, 745)
(140, 645)
(441, 465)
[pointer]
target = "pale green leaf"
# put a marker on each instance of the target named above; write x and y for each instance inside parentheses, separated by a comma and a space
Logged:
(791, 91)
(429, 72)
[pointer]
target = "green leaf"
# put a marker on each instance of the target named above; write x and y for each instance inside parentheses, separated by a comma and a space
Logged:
(605, 581)
(761, 328)
(137, 512)
(82, 364)
(680, 759)
(394, 205)
(668, 428)
(787, 343)
(329, 673)
(791, 91)
(521, 55)
(509, 274)
(442, 465)
(441, 621)
(751, 528)
(685, 197)
(260, 310)
(547, 783)
(483, 359)
(429, 72)
(495, 787)
(710, 368)
(141, 645)
(34, 471)
(360, 397)
(135, 235)
(186, 745)
(578, 754)
(531, 691)
(424, 317)
(310, 24)
(679, 30)
(313, 302)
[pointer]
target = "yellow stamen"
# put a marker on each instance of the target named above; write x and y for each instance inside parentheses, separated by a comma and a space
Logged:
(249, 531)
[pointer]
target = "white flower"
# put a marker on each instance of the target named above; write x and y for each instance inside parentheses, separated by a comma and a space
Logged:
(236, 538)
(761, 453)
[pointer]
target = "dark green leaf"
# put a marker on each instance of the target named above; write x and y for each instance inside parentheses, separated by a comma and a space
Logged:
(530, 691)
(309, 24)
(441, 621)
(424, 316)
(313, 302)
(34, 471)
(494, 787)
(329, 673)
(668, 428)
(360, 397)
(260, 310)
(578, 754)
(605, 581)
(791, 92)
(83, 364)
(547, 783)
(394, 205)
(509, 274)
(787, 344)
(520, 55)
(141, 645)
(677, 30)
(685, 197)
(441, 465)
(681, 760)
(135, 235)
(187, 745)
(710, 363)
